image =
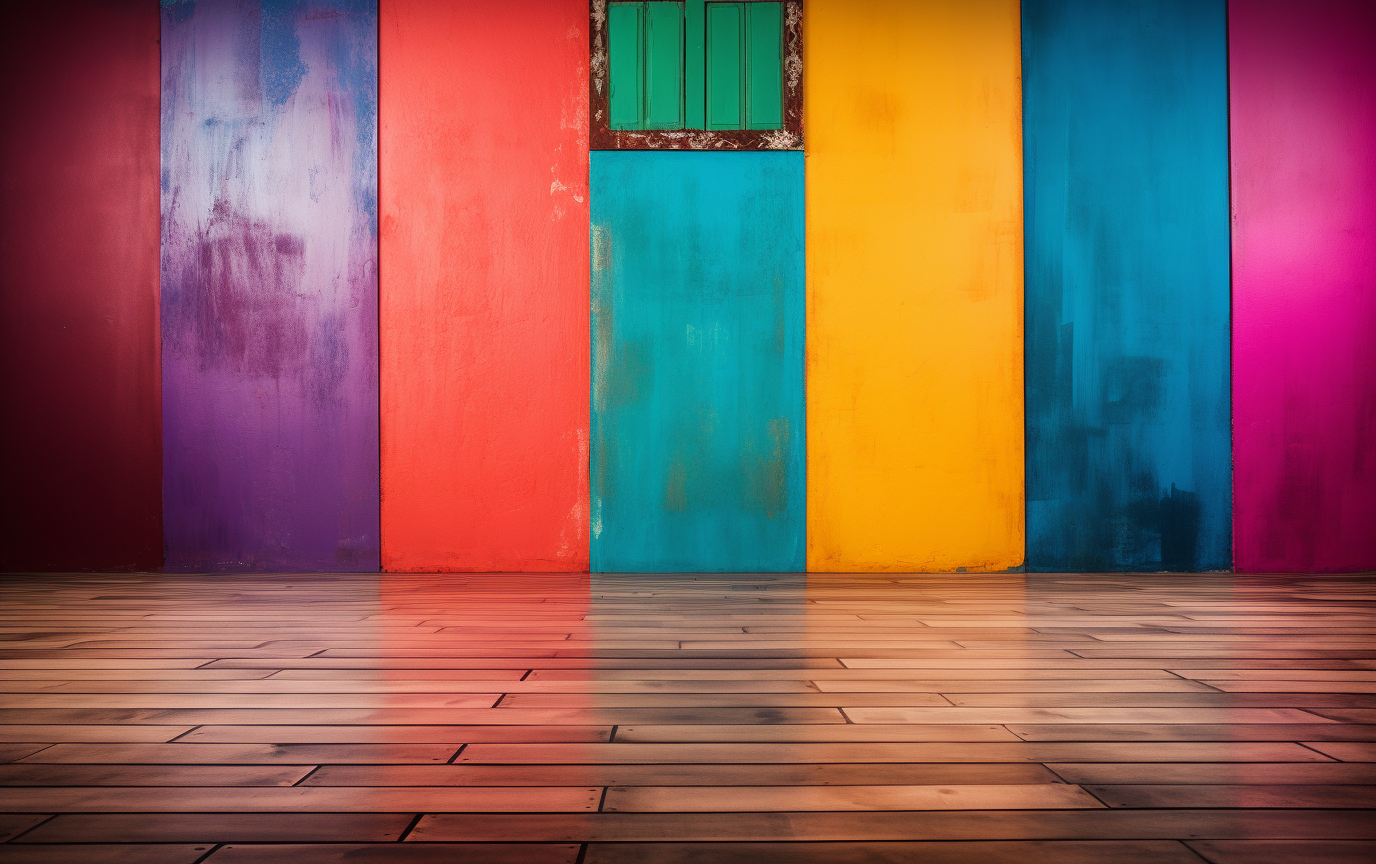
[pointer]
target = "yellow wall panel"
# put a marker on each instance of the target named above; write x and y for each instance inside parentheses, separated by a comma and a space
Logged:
(914, 272)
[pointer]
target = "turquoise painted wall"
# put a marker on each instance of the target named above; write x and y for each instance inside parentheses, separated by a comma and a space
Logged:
(697, 397)
(1127, 284)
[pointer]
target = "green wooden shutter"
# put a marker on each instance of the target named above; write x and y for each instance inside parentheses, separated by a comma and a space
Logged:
(725, 44)
(745, 66)
(695, 64)
(663, 65)
(764, 84)
(624, 37)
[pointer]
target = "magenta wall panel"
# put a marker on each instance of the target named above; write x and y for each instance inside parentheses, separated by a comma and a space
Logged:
(269, 285)
(80, 457)
(1303, 113)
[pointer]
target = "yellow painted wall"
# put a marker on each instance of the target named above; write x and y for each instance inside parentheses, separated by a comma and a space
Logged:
(914, 285)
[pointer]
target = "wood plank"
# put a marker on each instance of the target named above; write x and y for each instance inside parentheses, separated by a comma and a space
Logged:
(1016, 685)
(1347, 751)
(15, 750)
(1226, 795)
(424, 716)
(1161, 700)
(415, 853)
(728, 799)
(853, 732)
(970, 852)
(1284, 851)
(1184, 732)
(714, 700)
(1108, 824)
(114, 853)
(379, 734)
(245, 701)
(78, 732)
(13, 824)
(221, 828)
(770, 753)
(947, 672)
(1260, 773)
(1078, 714)
(243, 754)
(303, 799)
(152, 775)
(823, 774)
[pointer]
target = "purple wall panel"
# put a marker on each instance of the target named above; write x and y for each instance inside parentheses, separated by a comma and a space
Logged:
(269, 285)
(1303, 106)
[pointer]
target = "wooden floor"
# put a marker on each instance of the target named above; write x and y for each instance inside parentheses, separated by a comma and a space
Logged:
(967, 718)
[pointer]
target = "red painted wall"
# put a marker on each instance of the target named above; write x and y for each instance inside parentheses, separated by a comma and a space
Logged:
(484, 284)
(80, 459)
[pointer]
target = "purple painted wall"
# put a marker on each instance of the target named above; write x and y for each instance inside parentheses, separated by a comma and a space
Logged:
(1303, 106)
(269, 285)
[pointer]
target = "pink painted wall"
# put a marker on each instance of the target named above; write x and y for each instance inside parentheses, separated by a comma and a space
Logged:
(1303, 114)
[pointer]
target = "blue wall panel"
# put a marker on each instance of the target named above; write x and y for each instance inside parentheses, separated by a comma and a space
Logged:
(1127, 315)
(697, 395)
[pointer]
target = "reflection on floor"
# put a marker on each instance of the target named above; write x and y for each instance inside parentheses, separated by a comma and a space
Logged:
(993, 719)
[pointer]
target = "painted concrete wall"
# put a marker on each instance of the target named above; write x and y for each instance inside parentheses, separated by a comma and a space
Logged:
(697, 392)
(1303, 88)
(914, 244)
(80, 456)
(269, 285)
(1126, 172)
(484, 287)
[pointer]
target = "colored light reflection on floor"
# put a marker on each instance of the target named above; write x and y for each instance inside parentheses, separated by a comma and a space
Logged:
(631, 718)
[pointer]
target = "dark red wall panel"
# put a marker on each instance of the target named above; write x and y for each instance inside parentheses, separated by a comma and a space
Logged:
(80, 461)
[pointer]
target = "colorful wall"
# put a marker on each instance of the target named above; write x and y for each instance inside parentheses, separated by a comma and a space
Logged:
(1125, 131)
(1303, 111)
(396, 314)
(914, 176)
(80, 450)
(697, 333)
(484, 304)
(269, 285)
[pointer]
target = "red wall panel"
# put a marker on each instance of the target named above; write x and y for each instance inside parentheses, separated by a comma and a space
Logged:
(484, 284)
(80, 459)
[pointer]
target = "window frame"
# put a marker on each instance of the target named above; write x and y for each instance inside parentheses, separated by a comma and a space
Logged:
(603, 137)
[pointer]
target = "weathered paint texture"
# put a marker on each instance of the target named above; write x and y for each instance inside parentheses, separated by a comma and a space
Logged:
(1303, 89)
(269, 284)
(79, 440)
(914, 244)
(697, 414)
(1126, 172)
(484, 313)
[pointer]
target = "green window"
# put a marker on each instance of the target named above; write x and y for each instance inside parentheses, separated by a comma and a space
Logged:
(698, 64)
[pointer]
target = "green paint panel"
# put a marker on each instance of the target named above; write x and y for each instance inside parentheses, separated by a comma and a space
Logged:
(624, 43)
(764, 73)
(725, 53)
(663, 66)
(695, 64)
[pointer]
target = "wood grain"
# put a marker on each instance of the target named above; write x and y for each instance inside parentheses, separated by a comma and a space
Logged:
(627, 719)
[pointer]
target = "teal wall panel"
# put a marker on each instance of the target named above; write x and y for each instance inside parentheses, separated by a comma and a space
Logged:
(698, 428)
(1127, 285)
